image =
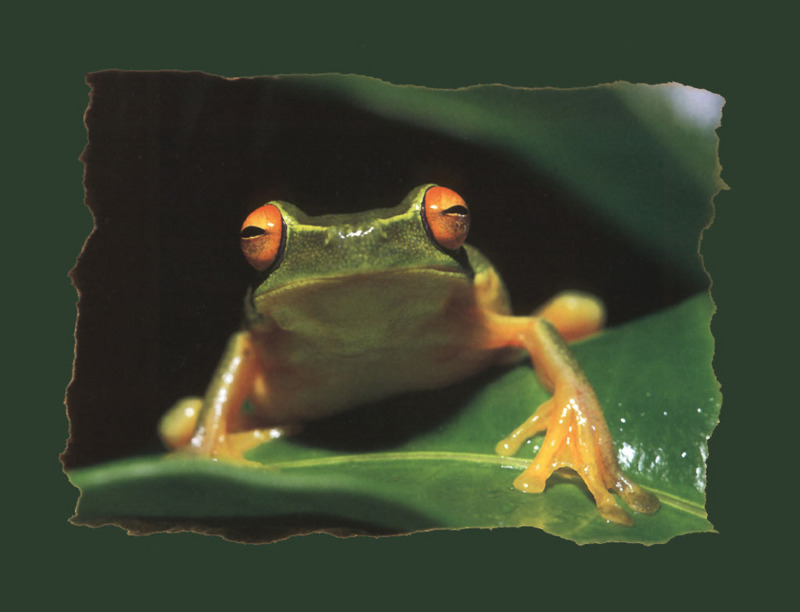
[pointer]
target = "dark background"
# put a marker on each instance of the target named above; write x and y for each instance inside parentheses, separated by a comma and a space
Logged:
(740, 52)
(176, 161)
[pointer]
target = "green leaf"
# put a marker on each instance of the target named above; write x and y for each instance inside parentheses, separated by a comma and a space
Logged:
(426, 461)
(640, 156)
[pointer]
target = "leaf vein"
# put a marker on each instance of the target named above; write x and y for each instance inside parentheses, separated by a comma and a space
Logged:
(520, 464)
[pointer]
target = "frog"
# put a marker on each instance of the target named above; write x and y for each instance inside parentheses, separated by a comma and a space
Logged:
(349, 309)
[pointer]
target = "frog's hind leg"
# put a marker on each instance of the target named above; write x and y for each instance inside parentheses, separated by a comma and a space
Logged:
(574, 314)
(177, 426)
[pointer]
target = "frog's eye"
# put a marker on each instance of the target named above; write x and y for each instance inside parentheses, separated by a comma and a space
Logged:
(447, 217)
(261, 236)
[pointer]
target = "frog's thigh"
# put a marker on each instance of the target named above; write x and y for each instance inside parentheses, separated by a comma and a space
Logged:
(575, 315)
(577, 435)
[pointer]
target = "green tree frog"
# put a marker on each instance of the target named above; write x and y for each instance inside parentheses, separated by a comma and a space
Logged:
(353, 308)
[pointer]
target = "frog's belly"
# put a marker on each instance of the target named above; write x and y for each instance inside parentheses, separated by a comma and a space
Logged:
(327, 350)
(317, 389)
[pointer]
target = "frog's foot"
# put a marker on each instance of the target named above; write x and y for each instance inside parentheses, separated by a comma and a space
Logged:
(237, 444)
(177, 430)
(576, 440)
(234, 446)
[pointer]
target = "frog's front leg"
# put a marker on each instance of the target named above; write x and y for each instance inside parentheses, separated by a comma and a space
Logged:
(203, 426)
(577, 436)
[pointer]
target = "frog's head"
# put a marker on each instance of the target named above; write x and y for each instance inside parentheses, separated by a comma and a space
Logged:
(426, 230)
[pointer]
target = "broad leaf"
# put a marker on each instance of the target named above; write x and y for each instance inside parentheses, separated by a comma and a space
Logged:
(425, 461)
(640, 156)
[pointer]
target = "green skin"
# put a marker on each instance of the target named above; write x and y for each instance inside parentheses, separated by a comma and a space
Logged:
(361, 307)
(365, 306)
(364, 243)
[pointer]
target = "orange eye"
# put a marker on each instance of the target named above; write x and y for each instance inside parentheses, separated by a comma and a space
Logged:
(447, 217)
(261, 236)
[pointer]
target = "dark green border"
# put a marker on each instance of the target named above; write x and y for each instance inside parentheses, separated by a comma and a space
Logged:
(535, 46)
